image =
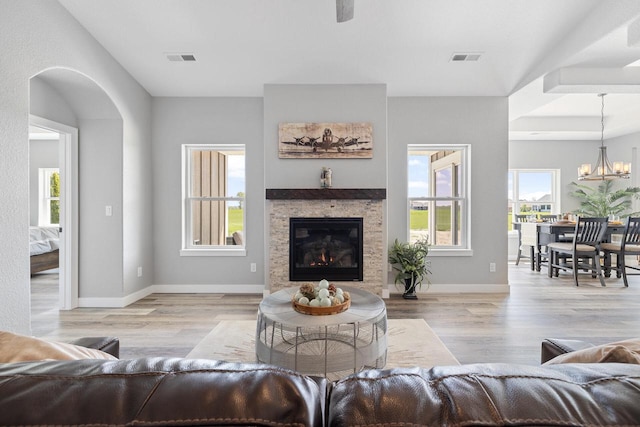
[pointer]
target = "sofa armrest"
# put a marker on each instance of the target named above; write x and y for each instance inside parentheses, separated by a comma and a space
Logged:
(109, 345)
(552, 347)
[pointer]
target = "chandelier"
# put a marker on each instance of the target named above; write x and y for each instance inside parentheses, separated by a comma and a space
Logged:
(604, 169)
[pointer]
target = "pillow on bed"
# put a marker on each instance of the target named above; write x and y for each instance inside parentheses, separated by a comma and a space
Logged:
(20, 348)
(627, 351)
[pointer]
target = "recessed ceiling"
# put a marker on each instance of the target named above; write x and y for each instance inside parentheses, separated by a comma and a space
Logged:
(241, 45)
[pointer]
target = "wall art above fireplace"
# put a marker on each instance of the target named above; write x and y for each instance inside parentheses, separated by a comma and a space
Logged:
(325, 140)
(325, 248)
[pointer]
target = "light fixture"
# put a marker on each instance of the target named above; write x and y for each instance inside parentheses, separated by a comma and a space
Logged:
(604, 170)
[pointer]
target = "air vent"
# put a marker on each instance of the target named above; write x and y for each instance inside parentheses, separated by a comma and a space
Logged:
(180, 57)
(465, 57)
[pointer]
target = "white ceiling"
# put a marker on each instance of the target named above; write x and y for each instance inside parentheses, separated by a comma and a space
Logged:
(240, 45)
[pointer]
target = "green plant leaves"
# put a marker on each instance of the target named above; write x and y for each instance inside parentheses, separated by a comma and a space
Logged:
(409, 260)
(603, 201)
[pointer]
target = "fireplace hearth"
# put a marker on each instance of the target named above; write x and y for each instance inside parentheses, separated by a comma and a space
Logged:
(325, 248)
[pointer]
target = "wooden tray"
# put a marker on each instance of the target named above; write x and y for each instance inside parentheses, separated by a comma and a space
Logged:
(321, 311)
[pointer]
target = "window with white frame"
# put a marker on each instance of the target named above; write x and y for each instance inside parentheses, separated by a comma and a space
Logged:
(438, 195)
(533, 192)
(49, 200)
(213, 199)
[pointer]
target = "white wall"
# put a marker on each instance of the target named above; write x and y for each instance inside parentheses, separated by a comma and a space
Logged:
(481, 122)
(39, 35)
(178, 121)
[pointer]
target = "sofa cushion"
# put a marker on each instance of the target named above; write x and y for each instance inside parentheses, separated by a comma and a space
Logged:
(20, 348)
(627, 351)
(489, 395)
(158, 392)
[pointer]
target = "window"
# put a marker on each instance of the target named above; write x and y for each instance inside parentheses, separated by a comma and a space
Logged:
(438, 199)
(533, 192)
(49, 191)
(213, 199)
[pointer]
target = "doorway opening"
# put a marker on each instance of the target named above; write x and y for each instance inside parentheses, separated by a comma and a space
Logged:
(53, 221)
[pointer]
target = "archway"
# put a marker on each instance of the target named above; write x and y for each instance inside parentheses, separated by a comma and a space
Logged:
(66, 102)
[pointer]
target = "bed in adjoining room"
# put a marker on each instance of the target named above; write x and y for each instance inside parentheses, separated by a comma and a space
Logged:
(44, 244)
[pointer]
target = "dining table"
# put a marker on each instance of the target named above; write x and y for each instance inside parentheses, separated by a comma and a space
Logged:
(537, 235)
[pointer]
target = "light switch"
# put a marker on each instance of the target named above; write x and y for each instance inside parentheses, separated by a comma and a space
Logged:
(108, 210)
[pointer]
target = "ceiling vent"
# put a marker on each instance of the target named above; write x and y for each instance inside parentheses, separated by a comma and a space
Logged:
(180, 57)
(465, 57)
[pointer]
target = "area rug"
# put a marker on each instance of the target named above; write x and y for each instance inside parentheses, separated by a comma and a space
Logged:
(410, 342)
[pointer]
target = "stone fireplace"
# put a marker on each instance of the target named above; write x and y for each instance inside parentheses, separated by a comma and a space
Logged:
(366, 205)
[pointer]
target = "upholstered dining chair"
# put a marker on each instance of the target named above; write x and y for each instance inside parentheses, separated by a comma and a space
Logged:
(520, 218)
(583, 253)
(629, 245)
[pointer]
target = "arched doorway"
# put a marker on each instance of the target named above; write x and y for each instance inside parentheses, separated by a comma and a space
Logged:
(65, 101)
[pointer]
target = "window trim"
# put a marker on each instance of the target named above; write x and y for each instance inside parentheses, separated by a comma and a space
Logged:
(188, 249)
(465, 249)
(556, 194)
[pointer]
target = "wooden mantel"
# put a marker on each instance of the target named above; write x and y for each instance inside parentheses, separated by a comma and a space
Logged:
(326, 193)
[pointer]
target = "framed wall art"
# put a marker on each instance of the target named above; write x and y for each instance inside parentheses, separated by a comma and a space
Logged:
(325, 140)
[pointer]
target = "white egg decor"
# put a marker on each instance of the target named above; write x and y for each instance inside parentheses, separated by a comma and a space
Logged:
(320, 299)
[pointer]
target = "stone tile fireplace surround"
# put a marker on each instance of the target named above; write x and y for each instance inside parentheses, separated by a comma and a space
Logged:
(367, 204)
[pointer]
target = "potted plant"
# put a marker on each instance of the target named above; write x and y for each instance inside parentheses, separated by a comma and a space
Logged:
(603, 201)
(409, 260)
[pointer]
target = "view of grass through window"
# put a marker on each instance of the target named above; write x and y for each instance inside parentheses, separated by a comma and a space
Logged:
(531, 192)
(436, 194)
(215, 200)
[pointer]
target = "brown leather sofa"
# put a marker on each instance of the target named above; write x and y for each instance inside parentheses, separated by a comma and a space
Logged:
(177, 392)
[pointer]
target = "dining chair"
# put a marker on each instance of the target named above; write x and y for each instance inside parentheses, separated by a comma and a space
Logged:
(549, 218)
(520, 218)
(629, 245)
(583, 252)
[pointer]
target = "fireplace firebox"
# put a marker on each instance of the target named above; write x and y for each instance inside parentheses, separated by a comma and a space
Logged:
(325, 248)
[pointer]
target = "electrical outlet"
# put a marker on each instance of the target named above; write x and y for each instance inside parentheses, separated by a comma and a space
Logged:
(253, 267)
(492, 267)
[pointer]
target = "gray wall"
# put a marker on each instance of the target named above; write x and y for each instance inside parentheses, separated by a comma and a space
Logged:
(42, 154)
(325, 103)
(567, 156)
(41, 35)
(481, 122)
(100, 184)
(178, 121)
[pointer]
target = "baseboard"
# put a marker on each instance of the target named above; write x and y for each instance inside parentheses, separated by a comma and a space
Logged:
(259, 289)
(169, 289)
(458, 289)
(208, 289)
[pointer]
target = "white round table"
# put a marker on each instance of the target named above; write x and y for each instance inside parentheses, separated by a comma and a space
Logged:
(337, 344)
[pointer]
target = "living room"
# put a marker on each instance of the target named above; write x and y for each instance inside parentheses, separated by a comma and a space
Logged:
(99, 74)
(143, 163)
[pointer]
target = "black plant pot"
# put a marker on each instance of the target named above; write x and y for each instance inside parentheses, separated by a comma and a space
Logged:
(409, 290)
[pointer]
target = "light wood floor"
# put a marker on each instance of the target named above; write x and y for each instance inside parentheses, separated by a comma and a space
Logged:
(475, 328)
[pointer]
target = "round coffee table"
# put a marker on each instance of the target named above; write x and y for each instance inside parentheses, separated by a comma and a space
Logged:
(337, 344)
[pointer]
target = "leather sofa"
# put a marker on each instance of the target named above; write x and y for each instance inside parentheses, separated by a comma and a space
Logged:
(172, 392)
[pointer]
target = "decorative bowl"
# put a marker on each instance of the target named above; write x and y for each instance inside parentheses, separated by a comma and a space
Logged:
(321, 311)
